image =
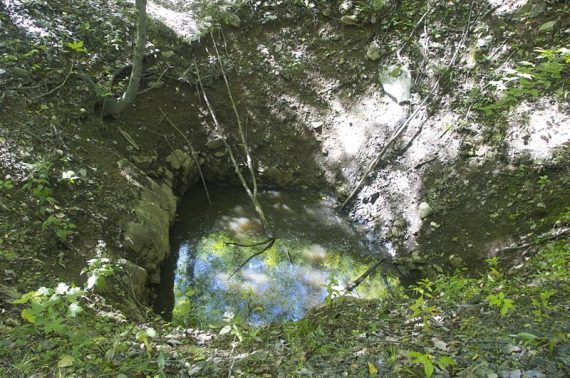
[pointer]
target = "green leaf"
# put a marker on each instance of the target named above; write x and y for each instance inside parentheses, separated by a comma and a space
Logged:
(507, 305)
(429, 368)
(396, 72)
(25, 298)
(28, 315)
(446, 361)
(54, 325)
(76, 46)
(547, 26)
(225, 330)
(65, 361)
(372, 370)
(161, 360)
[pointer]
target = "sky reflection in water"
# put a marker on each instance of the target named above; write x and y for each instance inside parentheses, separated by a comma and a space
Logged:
(314, 245)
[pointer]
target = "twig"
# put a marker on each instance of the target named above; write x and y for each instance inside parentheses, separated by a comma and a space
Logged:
(401, 129)
(289, 256)
(240, 128)
(540, 239)
(414, 31)
(222, 135)
(192, 152)
(59, 86)
(252, 194)
(395, 136)
(364, 275)
(233, 359)
(269, 245)
(156, 82)
(247, 245)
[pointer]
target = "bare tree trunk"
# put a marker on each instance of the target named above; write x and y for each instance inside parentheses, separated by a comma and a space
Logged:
(114, 106)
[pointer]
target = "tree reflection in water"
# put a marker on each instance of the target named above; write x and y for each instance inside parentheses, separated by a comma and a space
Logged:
(314, 245)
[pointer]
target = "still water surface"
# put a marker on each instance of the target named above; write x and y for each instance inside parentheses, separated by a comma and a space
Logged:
(317, 253)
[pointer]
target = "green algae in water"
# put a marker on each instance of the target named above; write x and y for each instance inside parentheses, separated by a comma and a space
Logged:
(315, 246)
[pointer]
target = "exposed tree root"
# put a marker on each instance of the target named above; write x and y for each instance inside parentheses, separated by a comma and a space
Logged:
(59, 86)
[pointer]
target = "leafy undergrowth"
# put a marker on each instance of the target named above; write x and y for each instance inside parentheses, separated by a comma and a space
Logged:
(503, 324)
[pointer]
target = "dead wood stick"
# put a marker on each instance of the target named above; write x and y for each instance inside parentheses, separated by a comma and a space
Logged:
(404, 125)
(540, 239)
(247, 245)
(240, 128)
(249, 192)
(156, 82)
(270, 243)
(192, 152)
(220, 132)
(414, 30)
(59, 86)
(378, 157)
(364, 275)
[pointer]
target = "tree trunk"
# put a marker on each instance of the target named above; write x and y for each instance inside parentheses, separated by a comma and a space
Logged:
(114, 106)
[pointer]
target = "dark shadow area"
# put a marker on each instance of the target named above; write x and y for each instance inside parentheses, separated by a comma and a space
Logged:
(484, 210)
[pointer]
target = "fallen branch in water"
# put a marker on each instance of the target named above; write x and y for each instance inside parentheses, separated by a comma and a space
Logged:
(221, 134)
(247, 245)
(269, 242)
(364, 275)
(252, 194)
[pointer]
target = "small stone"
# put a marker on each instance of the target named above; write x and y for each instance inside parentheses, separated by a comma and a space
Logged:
(456, 261)
(510, 348)
(349, 20)
(215, 144)
(143, 161)
(59, 152)
(435, 225)
(177, 159)
(400, 223)
(424, 210)
(9, 275)
(395, 232)
(485, 41)
(317, 125)
(373, 52)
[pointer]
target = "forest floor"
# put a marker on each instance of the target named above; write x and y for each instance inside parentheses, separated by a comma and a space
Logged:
(311, 89)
